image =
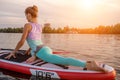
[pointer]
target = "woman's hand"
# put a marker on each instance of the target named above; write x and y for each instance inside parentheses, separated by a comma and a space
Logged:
(28, 51)
(11, 55)
(31, 59)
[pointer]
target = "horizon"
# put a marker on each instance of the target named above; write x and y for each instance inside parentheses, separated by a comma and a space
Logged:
(60, 13)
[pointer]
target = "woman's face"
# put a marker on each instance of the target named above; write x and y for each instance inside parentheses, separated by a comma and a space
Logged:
(28, 17)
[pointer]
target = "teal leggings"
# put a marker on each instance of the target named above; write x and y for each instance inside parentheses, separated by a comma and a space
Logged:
(45, 53)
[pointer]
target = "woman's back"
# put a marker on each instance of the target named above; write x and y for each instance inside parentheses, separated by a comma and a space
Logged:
(34, 37)
(35, 33)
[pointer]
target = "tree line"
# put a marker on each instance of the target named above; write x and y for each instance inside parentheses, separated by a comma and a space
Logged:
(113, 29)
(11, 30)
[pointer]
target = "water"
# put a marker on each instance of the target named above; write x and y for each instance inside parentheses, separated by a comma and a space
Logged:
(102, 48)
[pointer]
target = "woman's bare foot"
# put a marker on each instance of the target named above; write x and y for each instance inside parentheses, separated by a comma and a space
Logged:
(93, 65)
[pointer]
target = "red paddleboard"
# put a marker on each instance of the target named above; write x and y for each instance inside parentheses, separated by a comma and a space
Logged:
(47, 71)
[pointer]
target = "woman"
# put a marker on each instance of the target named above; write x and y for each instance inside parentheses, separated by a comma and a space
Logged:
(32, 33)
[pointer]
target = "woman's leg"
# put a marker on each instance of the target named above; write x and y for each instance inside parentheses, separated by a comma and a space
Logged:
(56, 59)
(46, 54)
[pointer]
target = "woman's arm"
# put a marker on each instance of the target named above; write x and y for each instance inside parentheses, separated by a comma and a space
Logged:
(23, 38)
(26, 30)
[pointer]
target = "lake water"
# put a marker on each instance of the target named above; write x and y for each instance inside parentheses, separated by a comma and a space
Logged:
(102, 48)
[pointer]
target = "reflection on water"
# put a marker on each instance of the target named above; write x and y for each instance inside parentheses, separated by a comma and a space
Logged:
(103, 48)
(47, 38)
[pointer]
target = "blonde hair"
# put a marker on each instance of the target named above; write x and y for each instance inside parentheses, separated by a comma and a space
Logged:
(33, 10)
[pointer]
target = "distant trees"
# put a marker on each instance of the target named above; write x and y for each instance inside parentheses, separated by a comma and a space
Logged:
(47, 29)
(114, 29)
(11, 30)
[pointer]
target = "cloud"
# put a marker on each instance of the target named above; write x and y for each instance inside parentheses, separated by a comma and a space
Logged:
(61, 12)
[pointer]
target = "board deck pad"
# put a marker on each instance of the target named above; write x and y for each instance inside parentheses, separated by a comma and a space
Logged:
(21, 57)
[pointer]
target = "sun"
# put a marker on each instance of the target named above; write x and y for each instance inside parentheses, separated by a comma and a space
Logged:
(87, 4)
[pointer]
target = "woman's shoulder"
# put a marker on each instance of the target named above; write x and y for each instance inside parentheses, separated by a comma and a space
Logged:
(32, 24)
(27, 25)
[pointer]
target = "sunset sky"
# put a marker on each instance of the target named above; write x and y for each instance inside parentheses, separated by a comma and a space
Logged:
(77, 13)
